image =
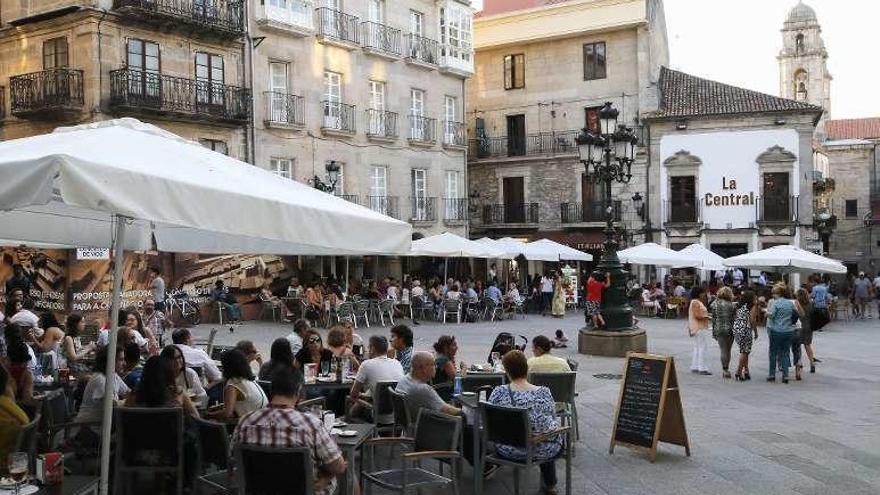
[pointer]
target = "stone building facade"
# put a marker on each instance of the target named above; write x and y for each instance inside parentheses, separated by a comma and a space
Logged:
(542, 72)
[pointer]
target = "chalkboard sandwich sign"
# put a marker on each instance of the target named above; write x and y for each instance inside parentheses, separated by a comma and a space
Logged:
(649, 408)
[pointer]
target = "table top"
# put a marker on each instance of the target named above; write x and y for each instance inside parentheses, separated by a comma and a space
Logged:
(469, 400)
(364, 431)
(330, 385)
(71, 485)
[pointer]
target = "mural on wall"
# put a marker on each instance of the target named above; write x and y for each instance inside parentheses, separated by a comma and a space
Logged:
(47, 271)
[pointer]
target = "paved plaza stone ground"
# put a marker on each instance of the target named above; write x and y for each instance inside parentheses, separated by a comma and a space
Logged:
(818, 436)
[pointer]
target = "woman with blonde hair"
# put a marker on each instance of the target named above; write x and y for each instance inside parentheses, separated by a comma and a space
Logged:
(780, 330)
(723, 313)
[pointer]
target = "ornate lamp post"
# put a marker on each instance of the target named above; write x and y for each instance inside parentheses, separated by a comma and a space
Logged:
(608, 157)
(332, 169)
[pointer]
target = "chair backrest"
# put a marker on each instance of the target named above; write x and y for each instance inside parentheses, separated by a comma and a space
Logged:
(213, 444)
(55, 410)
(572, 364)
(382, 398)
(451, 305)
(436, 431)
(561, 385)
(266, 385)
(506, 425)
(489, 303)
(475, 382)
(344, 310)
(401, 410)
(387, 305)
(149, 437)
(274, 471)
(26, 438)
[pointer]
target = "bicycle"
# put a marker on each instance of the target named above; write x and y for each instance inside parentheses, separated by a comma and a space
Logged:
(187, 310)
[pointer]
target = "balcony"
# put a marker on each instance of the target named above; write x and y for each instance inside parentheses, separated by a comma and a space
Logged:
(339, 118)
(52, 93)
(337, 28)
(777, 210)
(381, 125)
(455, 210)
(351, 198)
(518, 214)
(223, 18)
(541, 143)
(160, 94)
(421, 52)
(454, 134)
(682, 213)
(381, 40)
(386, 205)
(284, 111)
(296, 17)
(423, 210)
(457, 61)
(578, 213)
(422, 130)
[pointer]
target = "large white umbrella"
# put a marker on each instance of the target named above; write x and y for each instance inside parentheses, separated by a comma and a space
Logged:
(786, 259)
(708, 260)
(562, 251)
(125, 183)
(657, 255)
(449, 245)
(514, 248)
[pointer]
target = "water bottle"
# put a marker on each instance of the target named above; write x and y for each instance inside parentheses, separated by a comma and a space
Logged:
(456, 387)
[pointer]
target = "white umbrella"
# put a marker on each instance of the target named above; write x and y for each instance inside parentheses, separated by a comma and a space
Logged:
(562, 251)
(784, 259)
(509, 247)
(124, 183)
(657, 255)
(708, 259)
(449, 245)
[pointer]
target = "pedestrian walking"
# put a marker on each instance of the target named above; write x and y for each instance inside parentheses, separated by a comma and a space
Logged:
(546, 293)
(807, 327)
(723, 312)
(780, 331)
(597, 283)
(698, 325)
(744, 328)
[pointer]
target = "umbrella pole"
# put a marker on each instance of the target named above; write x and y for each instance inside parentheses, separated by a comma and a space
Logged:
(347, 279)
(110, 369)
(445, 269)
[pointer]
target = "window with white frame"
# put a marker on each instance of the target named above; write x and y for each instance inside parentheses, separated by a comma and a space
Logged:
(419, 194)
(333, 100)
(376, 115)
(416, 23)
(278, 90)
(379, 188)
(456, 32)
(453, 193)
(376, 11)
(282, 167)
(417, 113)
(294, 12)
(449, 118)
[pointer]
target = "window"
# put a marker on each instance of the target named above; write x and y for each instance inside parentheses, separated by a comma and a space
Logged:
(594, 61)
(55, 53)
(377, 95)
(456, 32)
(278, 111)
(775, 197)
(514, 71)
(683, 199)
(209, 78)
(453, 184)
(591, 119)
(516, 135)
(800, 85)
(379, 188)
(339, 187)
(416, 23)
(419, 194)
(333, 97)
(418, 125)
(144, 58)
(417, 102)
(376, 11)
(799, 44)
(278, 77)
(852, 208)
(450, 104)
(215, 145)
(282, 167)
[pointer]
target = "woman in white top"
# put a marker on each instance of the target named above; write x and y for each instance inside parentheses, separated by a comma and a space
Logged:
(241, 394)
(453, 293)
(186, 379)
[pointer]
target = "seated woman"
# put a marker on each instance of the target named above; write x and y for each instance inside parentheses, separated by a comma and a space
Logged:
(313, 351)
(276, 302)
(542, 416)
(12, 418)
(186, 379)
(20, 363)
(241, 394)
(73, 353)
(444, 359)
(91, 408)
(336, 344)
(50, 341)
(353, 340)
(280, 356)
(648, 302)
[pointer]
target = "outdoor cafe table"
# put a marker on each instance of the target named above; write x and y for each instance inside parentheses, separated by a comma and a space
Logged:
(349, 447)
(470, 404)
(72, 485)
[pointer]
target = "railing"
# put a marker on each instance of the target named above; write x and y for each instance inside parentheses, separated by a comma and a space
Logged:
(454, 133)
(422, 129)
(351, 198)
(337, 25)
(511, 213)
(338, 116)
(298, 13)
(222, 15)
(682, 212)
(2, 102)
(151, 91)
(48, 90)
(386, 205)
(423, 209)
(541, 143)
(285, 109)
(456, 209)
(589, 212)
(381, 38)
(381, 123)
(778, 209)
(421, 49)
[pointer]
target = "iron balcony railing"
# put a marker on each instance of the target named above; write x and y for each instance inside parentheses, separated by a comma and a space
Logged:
(423, 209)
(685, 211)
(777, 209)
(285, 109)
(381, 123)
(351, 198)
(46, 91)
(541, 143)
(338, 116)
(218, 15)
(2, 102)
(153, 92)
(337, 25)
(454, 133)
(422, 50)
(511, 213)
(456, 209)
(386, 205)
(381, 38)
(422, 129)
(589, 212)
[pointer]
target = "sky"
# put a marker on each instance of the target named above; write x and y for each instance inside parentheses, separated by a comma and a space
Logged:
(736, 42)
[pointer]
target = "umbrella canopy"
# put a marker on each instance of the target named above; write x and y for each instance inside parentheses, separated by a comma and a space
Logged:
(514, 248)
(708, 259)
(62, 189)
(657, 255)
(448, 245)
(563, 252)
(786, 258)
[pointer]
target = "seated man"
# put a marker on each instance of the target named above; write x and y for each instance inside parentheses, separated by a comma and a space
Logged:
(221, 295)
(379, 368)
(281, 426)
(494, 293)
(544, 362)
(648, 302)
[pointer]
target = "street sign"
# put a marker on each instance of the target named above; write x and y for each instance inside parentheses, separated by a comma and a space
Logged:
(90, 253)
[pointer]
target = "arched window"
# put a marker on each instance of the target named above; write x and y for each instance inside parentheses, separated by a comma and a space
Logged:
(800, 85)
(799, 44)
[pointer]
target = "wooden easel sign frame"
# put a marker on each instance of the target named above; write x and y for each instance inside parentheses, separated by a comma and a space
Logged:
(649, 408)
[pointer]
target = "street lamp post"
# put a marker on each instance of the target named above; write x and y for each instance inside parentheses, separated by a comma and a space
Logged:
(332, 169)
(608, 157)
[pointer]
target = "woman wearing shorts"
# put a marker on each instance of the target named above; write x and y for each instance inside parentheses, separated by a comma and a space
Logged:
(595, 285)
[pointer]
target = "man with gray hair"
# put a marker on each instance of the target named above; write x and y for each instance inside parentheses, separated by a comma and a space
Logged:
(419, 393)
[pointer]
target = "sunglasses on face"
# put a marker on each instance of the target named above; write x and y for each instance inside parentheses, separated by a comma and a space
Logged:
(314, 340)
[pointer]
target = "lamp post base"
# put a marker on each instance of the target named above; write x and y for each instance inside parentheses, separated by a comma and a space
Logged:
(612, 344)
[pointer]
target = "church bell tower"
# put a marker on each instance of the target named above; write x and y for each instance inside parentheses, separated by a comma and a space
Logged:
(803, 70)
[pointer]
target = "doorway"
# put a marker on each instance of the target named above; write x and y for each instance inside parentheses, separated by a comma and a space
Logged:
(728, 250)
(514, 200)
(516, 135)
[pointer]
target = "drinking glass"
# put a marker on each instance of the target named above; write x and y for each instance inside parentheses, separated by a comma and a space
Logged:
(18, 468)
(325, 368)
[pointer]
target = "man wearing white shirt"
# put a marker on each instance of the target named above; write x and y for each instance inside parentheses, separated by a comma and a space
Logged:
(296, 336)
(379, 368)
(417, 289)
(197, 358)
(546, 292)
(737, 277)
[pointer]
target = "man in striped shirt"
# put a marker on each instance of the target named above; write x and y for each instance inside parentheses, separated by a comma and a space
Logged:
(281, 425)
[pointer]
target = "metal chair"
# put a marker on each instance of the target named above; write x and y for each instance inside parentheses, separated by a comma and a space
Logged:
(386, 308)
(475, 382)
(208, 342)
(268, 306)
(452, 307)
(273, 470)
(437, 437)
(213, 458)
(345, 312)
(423, 307)
(402, 415)
(306, 405)
(510, 426)
(361, 311)
(519, 307)
(149, 441)
(26, 439)
(380, 406)
(561, 387)
(266, 385)
(490, 309)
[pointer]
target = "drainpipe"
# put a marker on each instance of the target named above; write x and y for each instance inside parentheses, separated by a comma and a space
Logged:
(100, 62)
(247, 53)
(466, 174)
(649, 235)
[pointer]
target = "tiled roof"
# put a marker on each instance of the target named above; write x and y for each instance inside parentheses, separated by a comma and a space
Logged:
(853, 129)
(684, 95)
(496, 7)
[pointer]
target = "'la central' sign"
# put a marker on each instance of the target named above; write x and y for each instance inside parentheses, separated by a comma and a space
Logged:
(731, 198)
